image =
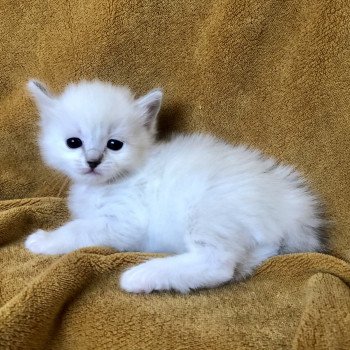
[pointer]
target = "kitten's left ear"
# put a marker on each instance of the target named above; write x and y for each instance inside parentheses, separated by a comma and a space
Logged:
(41, 94)
(150, 104)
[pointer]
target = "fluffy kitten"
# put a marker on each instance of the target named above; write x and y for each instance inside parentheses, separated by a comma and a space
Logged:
(220, 209)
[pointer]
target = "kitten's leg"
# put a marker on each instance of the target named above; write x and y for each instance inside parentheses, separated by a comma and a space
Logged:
(253, 258)
(71, 236)
(199, 268)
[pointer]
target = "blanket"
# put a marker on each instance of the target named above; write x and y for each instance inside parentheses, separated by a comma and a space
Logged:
(273, 74)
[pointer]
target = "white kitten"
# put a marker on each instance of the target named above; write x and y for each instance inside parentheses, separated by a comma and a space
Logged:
(221, 209)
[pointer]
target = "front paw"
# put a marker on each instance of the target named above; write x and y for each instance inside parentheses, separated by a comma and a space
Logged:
(39, 242)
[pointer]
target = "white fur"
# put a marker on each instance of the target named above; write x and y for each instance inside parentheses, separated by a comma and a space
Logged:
(221, 209)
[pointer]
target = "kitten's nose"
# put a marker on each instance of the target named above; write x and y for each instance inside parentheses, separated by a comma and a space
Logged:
(93, 164)
(93, 158)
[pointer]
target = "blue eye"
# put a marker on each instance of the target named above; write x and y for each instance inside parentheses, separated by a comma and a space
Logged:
(114, 145)
(74, 142)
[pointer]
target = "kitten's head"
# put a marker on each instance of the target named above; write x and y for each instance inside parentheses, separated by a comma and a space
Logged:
(95, 132)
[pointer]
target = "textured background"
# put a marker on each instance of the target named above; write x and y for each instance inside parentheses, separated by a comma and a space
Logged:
(273, 74)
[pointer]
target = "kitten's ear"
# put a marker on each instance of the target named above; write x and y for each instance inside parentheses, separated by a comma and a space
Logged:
(150, 104)
(41, 94)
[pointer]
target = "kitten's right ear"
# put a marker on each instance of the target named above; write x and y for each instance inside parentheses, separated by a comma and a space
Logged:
(150, 105)
(41, 94)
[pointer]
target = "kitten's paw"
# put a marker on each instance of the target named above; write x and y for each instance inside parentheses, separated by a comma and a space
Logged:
(39, 242)
(139, 279)
(145, 278)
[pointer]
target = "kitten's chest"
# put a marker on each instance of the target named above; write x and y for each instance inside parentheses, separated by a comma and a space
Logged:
(88, 202)
(84, 202)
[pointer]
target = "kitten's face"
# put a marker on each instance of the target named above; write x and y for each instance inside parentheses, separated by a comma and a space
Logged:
(95, 132)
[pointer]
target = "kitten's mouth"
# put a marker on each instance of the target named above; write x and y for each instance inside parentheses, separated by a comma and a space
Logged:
(92, 172)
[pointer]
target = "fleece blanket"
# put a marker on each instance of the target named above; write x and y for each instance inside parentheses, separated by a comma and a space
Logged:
(274, 74)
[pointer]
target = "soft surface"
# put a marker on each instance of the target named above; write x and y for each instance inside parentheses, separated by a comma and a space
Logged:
(272, 74)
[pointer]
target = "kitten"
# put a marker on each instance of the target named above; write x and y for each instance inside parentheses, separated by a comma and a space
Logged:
(220, 209)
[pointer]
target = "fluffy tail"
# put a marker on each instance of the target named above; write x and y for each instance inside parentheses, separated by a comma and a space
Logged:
(314, 238)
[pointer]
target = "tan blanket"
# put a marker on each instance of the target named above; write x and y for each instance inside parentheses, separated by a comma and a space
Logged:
(272, 73)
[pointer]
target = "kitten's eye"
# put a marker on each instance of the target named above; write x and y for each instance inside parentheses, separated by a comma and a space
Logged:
(74, 142)
(114, 145)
